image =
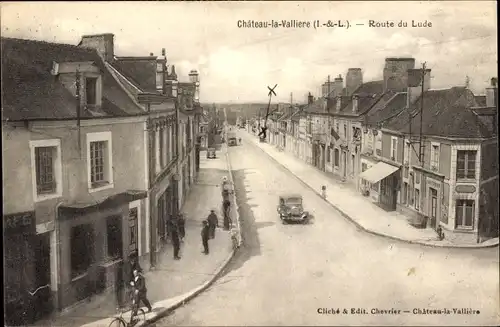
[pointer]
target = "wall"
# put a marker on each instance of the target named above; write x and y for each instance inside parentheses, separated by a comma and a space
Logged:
(386, 147)
(127, 139)
(16, 160)
(489, 160)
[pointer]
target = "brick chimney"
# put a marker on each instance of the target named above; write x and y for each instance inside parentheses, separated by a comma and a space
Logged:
(415, 84)
(354, 79)
(396, 73)
(103, 43)
(492, 93)
(310, 98)
(338, 85)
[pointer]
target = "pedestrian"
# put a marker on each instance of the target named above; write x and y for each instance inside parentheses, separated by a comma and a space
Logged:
(134, 263)
(213, 222)
(175, 239)
(205, 234)
(182, 227)
(227, 219)
(140, 292)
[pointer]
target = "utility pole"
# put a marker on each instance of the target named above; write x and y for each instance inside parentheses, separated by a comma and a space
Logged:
(421, 145)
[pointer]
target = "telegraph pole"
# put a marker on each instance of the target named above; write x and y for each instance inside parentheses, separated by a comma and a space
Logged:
(421, 145)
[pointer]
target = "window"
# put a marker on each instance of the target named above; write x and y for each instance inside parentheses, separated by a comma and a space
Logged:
(466, 164)
(406, 172)
(353, 164)
(434, 156)
(337, 155)
(133, 215)
(114, 236)
(394, 147)
(81, 253)
(328, 155)
(337, 127)
(407, 152)
(161, 148)
(46, 169)
(417, 198)
(345, 131)
(464, 214)
(91, 90)
(99, 161)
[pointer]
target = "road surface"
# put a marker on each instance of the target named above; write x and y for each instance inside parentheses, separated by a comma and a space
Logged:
(285, 274)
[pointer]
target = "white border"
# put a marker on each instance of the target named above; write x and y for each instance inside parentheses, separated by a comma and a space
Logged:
(100, 136)
(57, 168)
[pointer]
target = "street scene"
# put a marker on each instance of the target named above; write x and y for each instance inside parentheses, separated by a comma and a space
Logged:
(278, 166)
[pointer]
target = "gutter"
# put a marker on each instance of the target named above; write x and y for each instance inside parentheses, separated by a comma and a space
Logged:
(26, 120)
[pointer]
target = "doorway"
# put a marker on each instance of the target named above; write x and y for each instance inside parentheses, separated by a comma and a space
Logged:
(43, 304)
(433, 206)
(344, 164)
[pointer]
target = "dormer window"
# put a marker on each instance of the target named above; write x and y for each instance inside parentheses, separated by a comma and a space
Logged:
(91, 91)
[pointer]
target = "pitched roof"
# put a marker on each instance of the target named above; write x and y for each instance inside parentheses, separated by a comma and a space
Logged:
(446, 113)
(368, 93)
(30, 91)
(318, 106)
(390, 104)
(141, 71)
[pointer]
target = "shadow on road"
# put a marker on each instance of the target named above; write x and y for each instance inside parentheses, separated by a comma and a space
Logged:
(249, 234)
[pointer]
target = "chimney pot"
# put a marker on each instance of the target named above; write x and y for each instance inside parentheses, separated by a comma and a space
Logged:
(151, 54)
(494, 81)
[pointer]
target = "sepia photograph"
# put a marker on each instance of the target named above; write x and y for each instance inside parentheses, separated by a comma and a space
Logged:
(250, 163)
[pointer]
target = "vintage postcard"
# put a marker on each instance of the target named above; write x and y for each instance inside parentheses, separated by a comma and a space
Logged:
(312, 163)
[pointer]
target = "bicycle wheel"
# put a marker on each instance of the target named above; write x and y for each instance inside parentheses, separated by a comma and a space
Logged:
(118, 322)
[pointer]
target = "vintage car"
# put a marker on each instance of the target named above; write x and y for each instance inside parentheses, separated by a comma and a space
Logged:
(290, 209)
(211, 153)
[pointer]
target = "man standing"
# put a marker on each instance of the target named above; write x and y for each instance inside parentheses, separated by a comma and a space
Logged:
(213, 222)
(227, 219)
(140, 292)
(175, 239)
(182, 227)
(205, 231)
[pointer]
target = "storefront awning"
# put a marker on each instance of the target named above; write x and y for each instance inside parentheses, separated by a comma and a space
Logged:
(378, 172)
(109, 202)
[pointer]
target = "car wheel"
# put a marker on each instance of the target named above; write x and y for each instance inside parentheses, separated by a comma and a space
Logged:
(284, 222)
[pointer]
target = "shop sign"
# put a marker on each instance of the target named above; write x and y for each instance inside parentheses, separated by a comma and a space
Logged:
(465, 189)
(432, 183)
(22, 222)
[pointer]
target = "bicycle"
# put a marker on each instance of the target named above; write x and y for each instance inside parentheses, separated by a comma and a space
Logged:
(120, 320)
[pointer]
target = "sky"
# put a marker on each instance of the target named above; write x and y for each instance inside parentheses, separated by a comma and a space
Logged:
(237, 64)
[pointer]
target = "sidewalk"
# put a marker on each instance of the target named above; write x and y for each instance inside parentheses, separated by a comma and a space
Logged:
(173, 282)
(360, 210)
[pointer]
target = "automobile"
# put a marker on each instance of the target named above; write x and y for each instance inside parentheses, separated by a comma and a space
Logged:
(211, 153)
(290, 209)
(232, 141)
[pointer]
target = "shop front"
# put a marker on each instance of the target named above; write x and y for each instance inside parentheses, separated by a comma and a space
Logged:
(19, 268)
(389, 180)
(94, 238)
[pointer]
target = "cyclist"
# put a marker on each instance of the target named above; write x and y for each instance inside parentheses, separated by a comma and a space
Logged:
(140, 292)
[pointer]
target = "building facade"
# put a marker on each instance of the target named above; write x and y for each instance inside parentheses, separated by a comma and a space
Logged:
(72, 208)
